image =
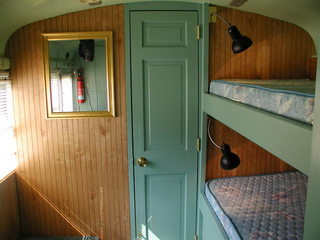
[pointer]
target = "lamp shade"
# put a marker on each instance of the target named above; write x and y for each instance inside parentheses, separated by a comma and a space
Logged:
(229, 160)
(240, 42)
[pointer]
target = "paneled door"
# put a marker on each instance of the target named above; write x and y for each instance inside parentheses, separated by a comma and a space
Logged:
(164, 70)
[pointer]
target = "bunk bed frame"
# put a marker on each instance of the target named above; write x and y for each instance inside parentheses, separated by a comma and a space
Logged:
(287, 139)
(291, 140)
(208, 225)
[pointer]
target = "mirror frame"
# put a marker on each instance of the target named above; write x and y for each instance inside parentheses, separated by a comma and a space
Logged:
(107, 35)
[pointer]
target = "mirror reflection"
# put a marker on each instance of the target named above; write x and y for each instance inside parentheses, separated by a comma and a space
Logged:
(79, 77)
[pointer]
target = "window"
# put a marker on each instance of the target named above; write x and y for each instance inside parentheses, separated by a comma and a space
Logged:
(8, 161)
(61, 92)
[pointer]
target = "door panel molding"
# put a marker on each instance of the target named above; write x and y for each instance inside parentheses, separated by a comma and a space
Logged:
(155, 34)
(175, 78)
(159, 6)
(175, 187)
(164, 86)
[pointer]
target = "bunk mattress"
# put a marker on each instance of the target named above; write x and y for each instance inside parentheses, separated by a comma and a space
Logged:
(289, 98)
(260, 207)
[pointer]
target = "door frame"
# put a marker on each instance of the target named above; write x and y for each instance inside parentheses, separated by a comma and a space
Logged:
(201, 8)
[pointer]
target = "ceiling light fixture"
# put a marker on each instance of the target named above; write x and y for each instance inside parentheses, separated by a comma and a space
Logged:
(91, 2)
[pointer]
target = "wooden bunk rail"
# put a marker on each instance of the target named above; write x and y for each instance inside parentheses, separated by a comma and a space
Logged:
(285, 138)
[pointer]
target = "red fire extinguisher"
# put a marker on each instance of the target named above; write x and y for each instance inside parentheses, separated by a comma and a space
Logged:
(80, 88)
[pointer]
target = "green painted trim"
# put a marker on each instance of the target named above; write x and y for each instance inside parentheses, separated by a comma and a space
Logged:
(4, 63)
(287, 139)
(129, 121)
(162, 6)
(216, 230)
(312, 216)
(204, 71)
(208, 225)
(203, 77)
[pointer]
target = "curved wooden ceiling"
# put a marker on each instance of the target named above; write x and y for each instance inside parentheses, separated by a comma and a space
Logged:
(304, 13)
(17, 13)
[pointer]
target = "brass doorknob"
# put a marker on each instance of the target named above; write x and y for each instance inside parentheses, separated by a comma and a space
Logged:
(142, 162)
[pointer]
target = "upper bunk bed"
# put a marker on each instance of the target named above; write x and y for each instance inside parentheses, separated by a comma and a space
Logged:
(273, 127)
(292, 98)
(270, 58)
(275, 114)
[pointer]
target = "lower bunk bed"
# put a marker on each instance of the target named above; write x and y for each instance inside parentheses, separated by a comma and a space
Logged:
(260, 207)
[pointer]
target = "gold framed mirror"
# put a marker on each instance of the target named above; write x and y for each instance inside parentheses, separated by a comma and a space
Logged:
(79, 81)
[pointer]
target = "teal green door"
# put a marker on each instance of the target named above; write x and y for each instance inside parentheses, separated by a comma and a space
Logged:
(164, 67)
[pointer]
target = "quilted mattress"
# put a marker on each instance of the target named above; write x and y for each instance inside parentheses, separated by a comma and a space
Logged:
(260, 207)
(289, 98)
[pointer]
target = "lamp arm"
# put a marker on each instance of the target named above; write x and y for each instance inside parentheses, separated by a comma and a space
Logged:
(222, 18)
(209, 135)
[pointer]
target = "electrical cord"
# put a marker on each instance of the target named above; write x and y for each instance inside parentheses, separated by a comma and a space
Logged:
(222, 18)
(210, 137)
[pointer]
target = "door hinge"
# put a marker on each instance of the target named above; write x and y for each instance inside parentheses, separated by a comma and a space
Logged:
(198, 32)
(195, 237)
(198, 145)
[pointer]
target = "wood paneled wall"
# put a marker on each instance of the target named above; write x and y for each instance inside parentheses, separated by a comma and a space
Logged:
(313, 67)
(35, 208)
(78, 165)
(9, 209)
(254, 159)
(280, 50)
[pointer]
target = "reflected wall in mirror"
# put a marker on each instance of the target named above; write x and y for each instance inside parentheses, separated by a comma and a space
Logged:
(79, 74)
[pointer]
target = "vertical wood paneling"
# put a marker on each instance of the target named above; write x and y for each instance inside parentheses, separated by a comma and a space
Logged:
(35, 207)
(254, 159)
(9, 210)
(280, 51)
(312, 65)
(78, 165)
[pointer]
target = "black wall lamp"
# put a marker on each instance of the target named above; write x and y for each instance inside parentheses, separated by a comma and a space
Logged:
(240, 42)
(229, 160)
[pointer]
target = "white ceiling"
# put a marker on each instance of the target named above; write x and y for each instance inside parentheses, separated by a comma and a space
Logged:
(17, 13)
